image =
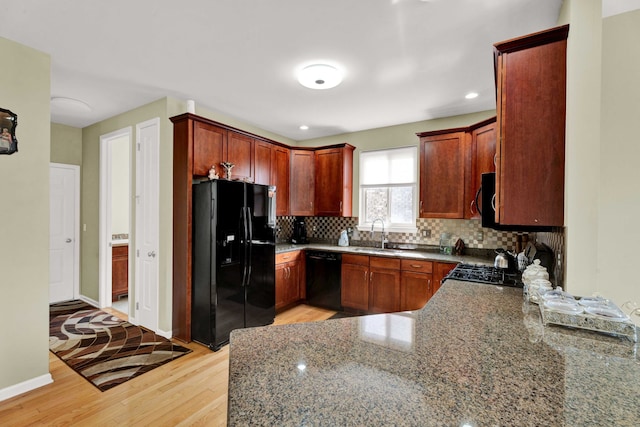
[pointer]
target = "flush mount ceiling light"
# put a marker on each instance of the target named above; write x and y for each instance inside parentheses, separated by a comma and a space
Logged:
(69, 104)
(471, 95)
(319, 76)
(304, 127)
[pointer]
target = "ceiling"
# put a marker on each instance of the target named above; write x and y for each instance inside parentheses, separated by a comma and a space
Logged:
(404, 60)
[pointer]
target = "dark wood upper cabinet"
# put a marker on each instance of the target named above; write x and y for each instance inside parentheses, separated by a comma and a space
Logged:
(240, 153)
(302, 183)
(531, 109)
(483, 157)
(442, 174)
(334, 181)
(280, 178)
(272, 168)
(262, 157)
(210, 149)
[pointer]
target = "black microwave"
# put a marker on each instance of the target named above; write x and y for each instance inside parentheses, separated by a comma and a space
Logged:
(486, 200)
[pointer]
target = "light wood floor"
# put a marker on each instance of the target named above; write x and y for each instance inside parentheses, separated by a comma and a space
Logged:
(191, 390)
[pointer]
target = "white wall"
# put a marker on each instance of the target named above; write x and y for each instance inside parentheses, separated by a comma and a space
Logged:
(602, 191)
(619, 207)
(582, 174)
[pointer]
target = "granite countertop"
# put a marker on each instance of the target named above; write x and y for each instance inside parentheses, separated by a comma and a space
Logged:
(396, 253)
(475, 355)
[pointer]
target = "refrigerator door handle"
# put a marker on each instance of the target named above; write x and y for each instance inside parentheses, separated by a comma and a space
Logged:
(243, 242)
(249, 244)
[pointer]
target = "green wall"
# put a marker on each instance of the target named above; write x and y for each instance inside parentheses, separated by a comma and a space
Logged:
(66, 144)
(393, 136)
(24, 234)
(164, 108)
(90, 201)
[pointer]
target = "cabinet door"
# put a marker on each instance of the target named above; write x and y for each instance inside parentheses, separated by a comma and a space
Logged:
(415, 290)
(262, 157)
(119, 271)
(440, 270)
(483, 157)
(355, 286)
(281, 285)
(280, 178)
(531, 158)
(329, 182)
(209, 148)
(293, 285)
(442, 175)
(240, 153)
(302, 182)
(384, 290)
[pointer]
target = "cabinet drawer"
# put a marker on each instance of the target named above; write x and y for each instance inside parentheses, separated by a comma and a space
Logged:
(287, 256)
(419, 266)
(355, 259)
(383, 262)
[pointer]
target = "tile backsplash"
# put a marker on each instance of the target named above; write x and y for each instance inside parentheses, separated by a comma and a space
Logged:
(327, 229)
(470, 231)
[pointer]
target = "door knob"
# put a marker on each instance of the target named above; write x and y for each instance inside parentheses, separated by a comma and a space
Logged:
(152, 254)
(68, 240)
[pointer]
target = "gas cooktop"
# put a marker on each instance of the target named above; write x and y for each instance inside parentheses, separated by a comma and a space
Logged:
(485, 274)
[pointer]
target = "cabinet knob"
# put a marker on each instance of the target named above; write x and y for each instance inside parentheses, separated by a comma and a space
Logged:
(68, 240)
(152, 254)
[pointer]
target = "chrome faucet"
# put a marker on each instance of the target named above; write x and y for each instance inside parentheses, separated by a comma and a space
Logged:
(373, 224)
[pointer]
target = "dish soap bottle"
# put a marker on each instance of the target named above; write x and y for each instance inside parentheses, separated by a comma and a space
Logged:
(344, 239)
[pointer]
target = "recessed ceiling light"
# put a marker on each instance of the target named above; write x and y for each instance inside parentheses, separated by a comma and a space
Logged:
(471, 95)
(304, 127)
(320, 76)
(69, 104)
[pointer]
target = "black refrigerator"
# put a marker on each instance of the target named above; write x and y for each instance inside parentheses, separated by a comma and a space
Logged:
(233, 259)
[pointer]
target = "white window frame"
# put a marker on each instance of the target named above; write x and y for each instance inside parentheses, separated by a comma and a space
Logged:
(389, 227)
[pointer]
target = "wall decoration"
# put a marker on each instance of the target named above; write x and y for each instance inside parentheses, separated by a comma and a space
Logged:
(8, 140)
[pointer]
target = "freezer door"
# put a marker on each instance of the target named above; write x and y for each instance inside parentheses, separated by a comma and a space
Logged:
(260, 290)
(203, 265)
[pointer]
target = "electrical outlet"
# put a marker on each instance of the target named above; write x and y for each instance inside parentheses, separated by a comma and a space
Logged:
(426, 232)
(479, 236)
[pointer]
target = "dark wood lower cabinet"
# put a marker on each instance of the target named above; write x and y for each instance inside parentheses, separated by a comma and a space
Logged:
(289, 279)
(415, 290)
(119, 271)
(440, 270)
(386, 285)
(384, 295)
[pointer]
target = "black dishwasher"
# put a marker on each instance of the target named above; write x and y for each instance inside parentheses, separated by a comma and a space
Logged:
(324, 279)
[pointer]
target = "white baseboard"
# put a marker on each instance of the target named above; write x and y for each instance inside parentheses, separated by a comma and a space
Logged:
(25, 386)
(166, 334)
(89, 301)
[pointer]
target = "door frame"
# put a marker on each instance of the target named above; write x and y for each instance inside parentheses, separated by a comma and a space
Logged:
(104, 214)
(76, 223)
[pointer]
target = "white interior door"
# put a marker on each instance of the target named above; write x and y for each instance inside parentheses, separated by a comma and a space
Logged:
(64, 190)
(147, 223)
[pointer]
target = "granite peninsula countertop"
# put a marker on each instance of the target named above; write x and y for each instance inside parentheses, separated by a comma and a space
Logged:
(475, 355)
(396, 253)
